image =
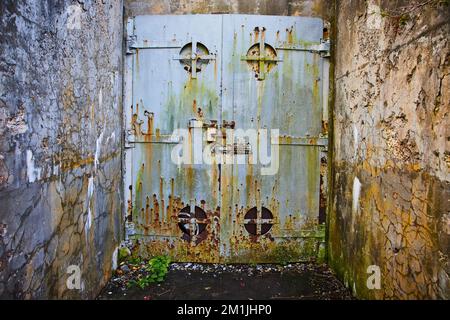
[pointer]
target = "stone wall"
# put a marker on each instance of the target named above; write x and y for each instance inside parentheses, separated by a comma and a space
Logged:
(391, 156)
(60, 140)
(264, 7)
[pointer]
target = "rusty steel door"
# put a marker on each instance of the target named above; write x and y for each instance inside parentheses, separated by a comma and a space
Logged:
(176, 76)
(225, 137)
(272, 80)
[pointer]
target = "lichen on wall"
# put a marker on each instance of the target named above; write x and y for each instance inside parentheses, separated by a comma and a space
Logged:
(60, 131)
(391, 163)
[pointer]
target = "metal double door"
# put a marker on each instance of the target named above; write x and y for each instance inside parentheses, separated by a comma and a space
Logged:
(224, 136)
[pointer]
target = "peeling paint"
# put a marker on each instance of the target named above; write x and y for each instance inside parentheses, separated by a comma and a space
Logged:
(356, 191)
(98, 149)
(90, 193)
(33, 173)
(114, 259)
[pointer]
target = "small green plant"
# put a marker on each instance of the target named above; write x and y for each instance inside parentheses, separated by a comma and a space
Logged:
(124, 253)
(141, 282)
(156, 271)
(158, 268)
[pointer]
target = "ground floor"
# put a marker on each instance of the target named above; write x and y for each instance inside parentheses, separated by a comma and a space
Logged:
(190, 281)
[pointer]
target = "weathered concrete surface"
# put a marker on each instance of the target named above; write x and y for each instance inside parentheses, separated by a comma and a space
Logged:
(319, 8)
(60, 130)
(390, 206)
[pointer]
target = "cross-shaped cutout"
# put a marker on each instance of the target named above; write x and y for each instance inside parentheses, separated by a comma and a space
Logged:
(195, 52)
(258, 221)
(192, 221)
(262, 58)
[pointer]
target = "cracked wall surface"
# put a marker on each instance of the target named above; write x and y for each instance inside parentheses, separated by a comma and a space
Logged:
(391, 154)
(60, 140)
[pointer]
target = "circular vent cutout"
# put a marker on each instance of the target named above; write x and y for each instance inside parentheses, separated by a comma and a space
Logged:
(253, 222)
(200, 54)
(192, 224)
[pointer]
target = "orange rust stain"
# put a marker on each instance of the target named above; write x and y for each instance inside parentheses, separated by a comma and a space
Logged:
(161, 194)
(290, 36)
(150, 124)
(215, 70)
(137, 59)
(147, 213)
(249, 179)
(194, 106)
(69, 165)
(170, 210)
(190, 179)
(256, 35)
(215, 180)
(156, 208)
(148, 169)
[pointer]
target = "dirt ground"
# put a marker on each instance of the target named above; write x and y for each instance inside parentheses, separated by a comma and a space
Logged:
(188, 281)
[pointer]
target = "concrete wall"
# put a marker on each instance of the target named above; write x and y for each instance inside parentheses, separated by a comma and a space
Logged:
(264, 7)
(60, 139)
(390, 206)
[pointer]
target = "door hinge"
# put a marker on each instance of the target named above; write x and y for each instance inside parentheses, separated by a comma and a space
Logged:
(324, 48)
(129, 140)
(131, 44)
(131, 37)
